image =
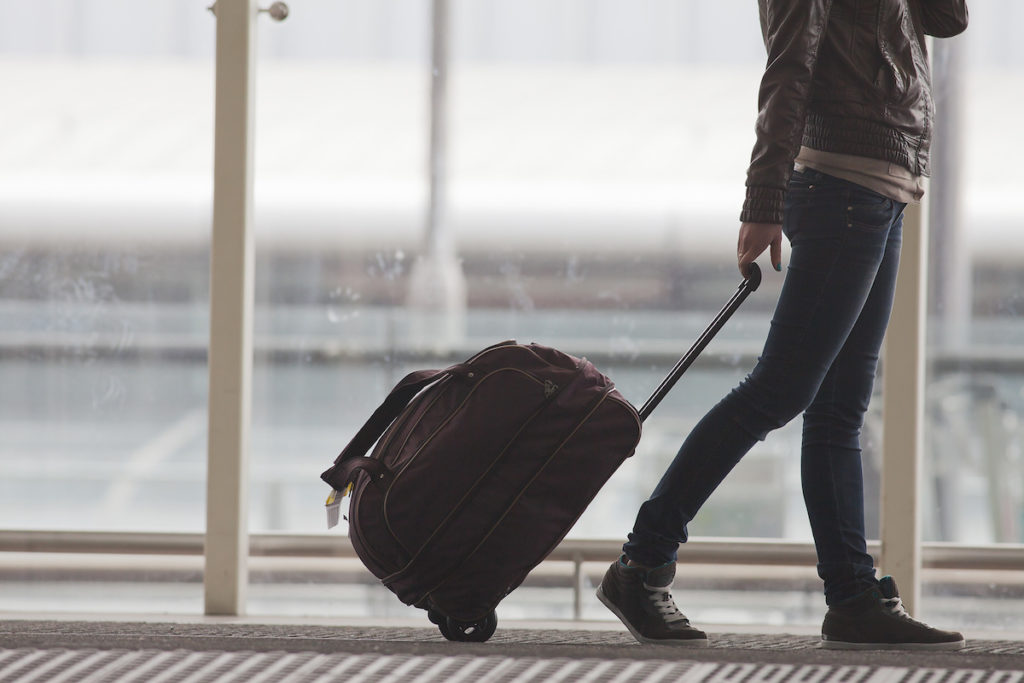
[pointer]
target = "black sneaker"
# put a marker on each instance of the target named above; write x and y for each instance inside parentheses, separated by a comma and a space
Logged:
(876, 620)
(641, 599)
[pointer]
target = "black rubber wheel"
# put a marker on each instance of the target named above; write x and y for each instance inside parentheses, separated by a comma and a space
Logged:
(441, 621)
(470, 631)
(445, 630)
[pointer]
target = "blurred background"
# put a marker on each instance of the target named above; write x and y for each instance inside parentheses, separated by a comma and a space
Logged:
(588, 161)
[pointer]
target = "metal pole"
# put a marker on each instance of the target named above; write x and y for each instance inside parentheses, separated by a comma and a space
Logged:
(231, 302)
(578, 579)
(437, 297)
(903, 414)
(949, 258)
(438, 152)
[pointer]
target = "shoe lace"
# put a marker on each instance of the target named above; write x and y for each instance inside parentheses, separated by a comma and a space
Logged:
(666, 606)
(895, 607)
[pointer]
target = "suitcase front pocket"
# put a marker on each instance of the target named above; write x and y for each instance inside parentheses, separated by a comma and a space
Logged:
(449, 464)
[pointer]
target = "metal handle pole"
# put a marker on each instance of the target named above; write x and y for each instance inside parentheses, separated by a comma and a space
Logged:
(750, 284)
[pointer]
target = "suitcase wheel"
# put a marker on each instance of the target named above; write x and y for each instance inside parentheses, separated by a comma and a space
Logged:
(465, 631)
(441, 621)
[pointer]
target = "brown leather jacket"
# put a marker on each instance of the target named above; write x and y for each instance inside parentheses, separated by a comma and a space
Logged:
(848, 76)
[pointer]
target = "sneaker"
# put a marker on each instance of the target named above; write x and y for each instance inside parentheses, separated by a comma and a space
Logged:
(876, 620)
(640, 598)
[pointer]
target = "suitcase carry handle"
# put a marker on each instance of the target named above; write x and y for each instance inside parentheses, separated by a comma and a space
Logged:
(749, 284)
(351, 458)
(346, 464)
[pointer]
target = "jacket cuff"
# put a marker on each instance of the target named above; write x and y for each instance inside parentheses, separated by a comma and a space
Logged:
(763, 205)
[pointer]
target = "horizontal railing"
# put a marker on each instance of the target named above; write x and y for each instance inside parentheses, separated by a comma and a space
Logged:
(713, 551)
(726, 551)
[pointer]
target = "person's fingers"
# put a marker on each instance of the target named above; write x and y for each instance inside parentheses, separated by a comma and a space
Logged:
(776, 253)
(744, 266)
(753, 239)
(744, 257)
(745, 251)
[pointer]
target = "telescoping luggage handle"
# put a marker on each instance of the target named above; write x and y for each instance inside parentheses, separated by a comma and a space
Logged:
(349, 460)
(749, 284)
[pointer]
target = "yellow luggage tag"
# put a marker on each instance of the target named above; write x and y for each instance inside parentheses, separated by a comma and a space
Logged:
(333, 505)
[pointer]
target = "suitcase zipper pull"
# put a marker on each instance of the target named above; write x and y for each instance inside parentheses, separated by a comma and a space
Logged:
(550, 388)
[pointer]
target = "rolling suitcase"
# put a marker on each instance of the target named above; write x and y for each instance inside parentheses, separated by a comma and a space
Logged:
(481, 469)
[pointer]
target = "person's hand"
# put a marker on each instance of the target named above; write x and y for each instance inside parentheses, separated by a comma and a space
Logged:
(754, 239)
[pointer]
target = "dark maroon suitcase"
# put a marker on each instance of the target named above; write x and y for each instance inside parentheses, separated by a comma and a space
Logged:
(481, 469)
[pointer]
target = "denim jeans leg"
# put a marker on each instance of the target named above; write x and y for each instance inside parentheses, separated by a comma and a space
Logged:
(832, 271)
(831, 471)
(712, 449)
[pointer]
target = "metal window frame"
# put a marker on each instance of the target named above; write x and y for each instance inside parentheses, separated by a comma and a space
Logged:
(231, 312)
(903, 395)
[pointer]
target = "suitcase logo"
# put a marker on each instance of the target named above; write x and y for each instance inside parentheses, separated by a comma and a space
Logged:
(549, 388)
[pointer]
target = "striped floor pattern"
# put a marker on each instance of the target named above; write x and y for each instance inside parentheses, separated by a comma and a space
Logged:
(183, 666)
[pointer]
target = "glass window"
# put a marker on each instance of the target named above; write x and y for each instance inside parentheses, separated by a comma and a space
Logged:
(972, 478)
(105, 181)
(974, 391)
(587, 199)
(588, 163)
(105, 205)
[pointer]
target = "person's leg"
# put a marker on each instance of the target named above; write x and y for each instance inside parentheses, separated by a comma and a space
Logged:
(828, 281)
(863, 613)
(827, 284)
(831, 472)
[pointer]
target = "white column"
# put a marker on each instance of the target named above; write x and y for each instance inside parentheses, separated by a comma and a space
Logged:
(437, 286)
(231, 302)
(903, 414)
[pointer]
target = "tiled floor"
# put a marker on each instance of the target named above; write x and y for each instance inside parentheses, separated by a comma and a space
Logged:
(184, 666)
(205, 650)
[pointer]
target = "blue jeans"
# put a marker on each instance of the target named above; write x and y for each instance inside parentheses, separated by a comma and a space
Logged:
(819, 359)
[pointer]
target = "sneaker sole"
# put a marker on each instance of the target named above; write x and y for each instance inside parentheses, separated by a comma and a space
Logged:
(676, 642)
(843, 645)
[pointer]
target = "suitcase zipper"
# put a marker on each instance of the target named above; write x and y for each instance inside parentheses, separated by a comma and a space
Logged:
(384, 443)
(548, 398)
(501, 345)
(458, 506)
(597, 403)
(550, 391)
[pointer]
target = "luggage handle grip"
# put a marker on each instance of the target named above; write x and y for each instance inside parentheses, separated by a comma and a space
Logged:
(749, 284)
(342, 474)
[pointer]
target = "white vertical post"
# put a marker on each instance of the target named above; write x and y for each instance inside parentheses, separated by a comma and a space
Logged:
(903, 413)
(437, 286)
(231, 302)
